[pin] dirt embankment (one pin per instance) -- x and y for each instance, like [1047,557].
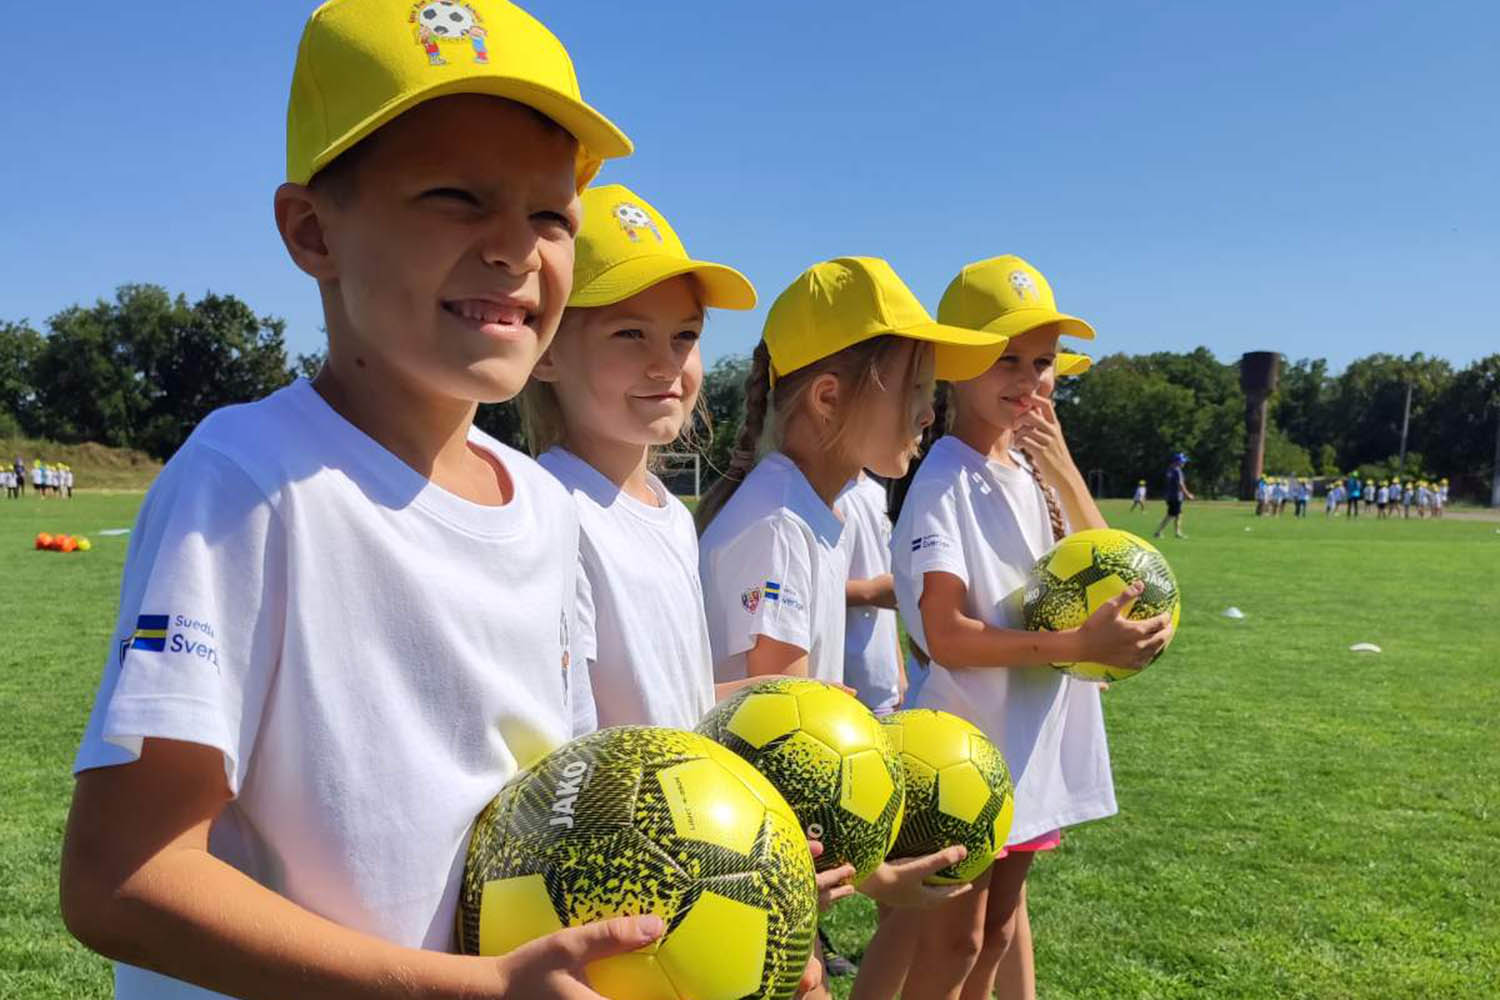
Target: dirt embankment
[95,466]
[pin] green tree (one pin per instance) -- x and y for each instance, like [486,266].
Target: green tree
[1368,401]
[1300,404]
[723,395]
[19,347]
[144,369]
[1458,437]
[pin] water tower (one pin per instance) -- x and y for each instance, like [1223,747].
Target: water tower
[1258,371]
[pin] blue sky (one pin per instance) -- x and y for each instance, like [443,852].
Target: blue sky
[1314,178]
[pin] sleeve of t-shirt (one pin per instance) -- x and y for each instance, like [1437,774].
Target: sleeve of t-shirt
[936,541]
[202,613]
[765,585]
[582,653]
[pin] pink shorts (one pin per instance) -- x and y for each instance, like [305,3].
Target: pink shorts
[1046,842]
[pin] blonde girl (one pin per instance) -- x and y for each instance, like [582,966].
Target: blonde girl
[991,497]
[622,378]
[841,380]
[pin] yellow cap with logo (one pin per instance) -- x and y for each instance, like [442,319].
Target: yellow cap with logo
[1008,296]
[626,246]
[363,62]
[848,300]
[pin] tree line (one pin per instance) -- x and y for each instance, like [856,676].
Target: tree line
[140,370]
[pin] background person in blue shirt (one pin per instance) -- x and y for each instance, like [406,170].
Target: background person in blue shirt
[1353,489]
[1176,491]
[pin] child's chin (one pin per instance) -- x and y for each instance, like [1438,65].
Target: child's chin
[495,383]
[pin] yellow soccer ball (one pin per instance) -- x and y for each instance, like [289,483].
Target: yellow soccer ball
[828,755]
[635,820]
[1086,569]
[958,791]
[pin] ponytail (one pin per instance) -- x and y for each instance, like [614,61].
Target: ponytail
[1054,511]
[746,443]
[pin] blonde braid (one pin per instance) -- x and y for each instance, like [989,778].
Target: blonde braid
[742,456]
[1054,511]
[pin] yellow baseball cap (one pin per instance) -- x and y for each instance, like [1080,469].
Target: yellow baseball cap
[848,300]
[363,62]
[1008,296]
[1069,363]
[626,246]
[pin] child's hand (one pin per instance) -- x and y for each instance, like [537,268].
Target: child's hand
[552,966]
[900,883]
[834,884]
[1109,637]
[1041,436]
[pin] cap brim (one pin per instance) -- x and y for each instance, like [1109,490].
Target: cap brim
[961,353]
[598,137]
[1019,321]
[723,287]
[1068,363]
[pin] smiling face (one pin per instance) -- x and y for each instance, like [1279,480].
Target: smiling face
[1010,386]
[887,433]
[630,372]
[450,255]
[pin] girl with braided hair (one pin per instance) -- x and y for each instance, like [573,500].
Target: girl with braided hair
[841,380]
[991,497]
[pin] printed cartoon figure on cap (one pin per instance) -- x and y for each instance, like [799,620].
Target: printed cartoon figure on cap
[1022,283]
[633,218]
[448,21]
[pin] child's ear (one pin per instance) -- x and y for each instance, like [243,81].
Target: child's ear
[546,368]
[823,397]
[302,230]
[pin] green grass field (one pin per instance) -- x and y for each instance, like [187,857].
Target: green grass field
[1296,820]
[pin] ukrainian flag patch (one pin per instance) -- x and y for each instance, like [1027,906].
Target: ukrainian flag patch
[150,633]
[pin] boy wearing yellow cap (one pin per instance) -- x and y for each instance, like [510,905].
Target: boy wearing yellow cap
[343,623]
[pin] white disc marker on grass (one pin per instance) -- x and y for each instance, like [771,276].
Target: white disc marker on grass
[1364,647]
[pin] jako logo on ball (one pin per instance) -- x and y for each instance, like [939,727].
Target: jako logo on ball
[565,797]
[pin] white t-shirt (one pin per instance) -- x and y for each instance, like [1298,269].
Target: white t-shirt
[872,654]
[640,619]
[373,655]
[773,562]
[38,475]
[987,524]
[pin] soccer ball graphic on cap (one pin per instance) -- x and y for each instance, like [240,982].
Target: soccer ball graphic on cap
[633,219]
[958,791]
[446,18]
[827,754]
[1086,569]
[635,820]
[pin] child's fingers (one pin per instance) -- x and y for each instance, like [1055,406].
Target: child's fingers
[575,947]
[930,864]
[812,974]
[834,877]
[1119,606]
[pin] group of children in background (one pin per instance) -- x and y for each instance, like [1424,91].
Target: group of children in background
[1390,497]
[48,479]
[1272,494]
[391,612]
